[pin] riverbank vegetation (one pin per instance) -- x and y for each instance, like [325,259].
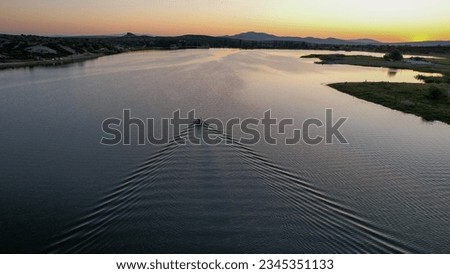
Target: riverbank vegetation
[20,50]
[429,100]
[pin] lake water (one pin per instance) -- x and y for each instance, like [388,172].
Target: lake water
[62,191]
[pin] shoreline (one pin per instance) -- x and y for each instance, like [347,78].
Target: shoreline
[439,65]
[412,98]
[408,98]
[49,62]
[57,61]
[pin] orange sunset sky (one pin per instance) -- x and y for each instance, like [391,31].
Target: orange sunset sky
[384,20]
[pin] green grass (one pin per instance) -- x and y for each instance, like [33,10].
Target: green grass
[406,97]
[411,98]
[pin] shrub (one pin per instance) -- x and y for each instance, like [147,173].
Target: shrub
[430,79]
[436,93]
[394,55]
[407,103]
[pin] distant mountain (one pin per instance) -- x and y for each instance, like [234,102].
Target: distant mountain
[134,35]
[424,44]
[116,35]
[266,37]
[86,36]
[366,41]
[255,36]
[129,35]
[260,36]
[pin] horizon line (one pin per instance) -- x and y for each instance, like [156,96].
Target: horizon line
[59,35]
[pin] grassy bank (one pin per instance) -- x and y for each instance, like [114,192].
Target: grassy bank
[414,98]
[407,97]
[428,65]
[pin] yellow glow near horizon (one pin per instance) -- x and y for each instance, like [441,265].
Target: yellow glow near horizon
[385,20]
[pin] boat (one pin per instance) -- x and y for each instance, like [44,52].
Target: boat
[198,122]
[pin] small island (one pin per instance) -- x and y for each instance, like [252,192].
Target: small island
[429,100]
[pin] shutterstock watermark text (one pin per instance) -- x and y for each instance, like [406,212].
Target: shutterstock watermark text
[189,129]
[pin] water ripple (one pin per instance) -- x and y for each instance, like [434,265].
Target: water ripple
[300,211]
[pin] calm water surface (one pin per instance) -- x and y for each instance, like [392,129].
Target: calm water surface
[61,191]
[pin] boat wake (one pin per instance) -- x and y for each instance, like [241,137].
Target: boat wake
[221,199]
